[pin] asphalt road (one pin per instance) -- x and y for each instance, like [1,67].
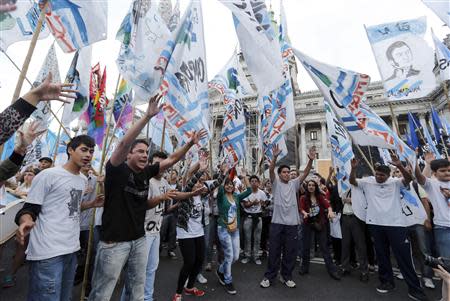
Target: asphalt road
[315,286]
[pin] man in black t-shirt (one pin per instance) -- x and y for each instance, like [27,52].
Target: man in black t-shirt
[122,235]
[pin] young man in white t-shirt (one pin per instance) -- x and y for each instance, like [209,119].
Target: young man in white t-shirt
[51,215]
[252,221]
[387,226]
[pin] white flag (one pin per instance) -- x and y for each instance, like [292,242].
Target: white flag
[186,105]
[19,24]
[147,45]
[42,113]
[77,23]
[79,74]
[443,57]
[441,8]
[258,42]
[404,58]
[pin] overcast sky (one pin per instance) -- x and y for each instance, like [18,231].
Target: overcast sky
[328,30]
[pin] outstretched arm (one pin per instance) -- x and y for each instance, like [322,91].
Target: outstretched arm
[352,178]
[276,151]
[311,156]
[407,177]
[122,149]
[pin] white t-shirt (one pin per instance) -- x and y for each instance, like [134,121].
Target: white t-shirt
[258,195]
[441,207]
[153,217]
[194,226]
[383,201]
[285,208]
[57,227]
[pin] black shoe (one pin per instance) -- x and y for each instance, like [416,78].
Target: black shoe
[335,275]
[220,276]
[230,288]
[384,288]
[364,277]
[417,295]
[344,272]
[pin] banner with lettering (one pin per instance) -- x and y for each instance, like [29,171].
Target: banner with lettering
[79,75]
[77,23]
[186,106]
[20,24]
[259,43]
[443,57]
[50,64]
[404,58]
[122,109]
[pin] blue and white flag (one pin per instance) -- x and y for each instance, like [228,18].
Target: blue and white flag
[20,24]
[147,46]
[258,42]
[345,91]
[341,149]
[50,64]
[441,8]
[232,84]
[77,23]
[442,56]
[404,58]
[8,147]
[430,142]
[186,105]
[156,129]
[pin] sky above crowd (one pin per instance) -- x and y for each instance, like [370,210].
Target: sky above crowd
[328,30]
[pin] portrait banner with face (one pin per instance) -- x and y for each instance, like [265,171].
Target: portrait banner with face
[404,59]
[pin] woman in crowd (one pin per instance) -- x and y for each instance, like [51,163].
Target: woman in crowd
[314,207]
[28,176]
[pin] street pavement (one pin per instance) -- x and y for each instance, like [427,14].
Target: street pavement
[246,277]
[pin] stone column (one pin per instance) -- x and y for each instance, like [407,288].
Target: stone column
[323,131]
[302,144]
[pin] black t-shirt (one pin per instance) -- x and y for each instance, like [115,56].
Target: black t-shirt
[125,202]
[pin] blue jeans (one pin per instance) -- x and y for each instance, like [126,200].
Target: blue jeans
[52,279]
[230,245]
[442,238]
[109,262]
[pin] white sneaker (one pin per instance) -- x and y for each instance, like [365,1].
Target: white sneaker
[245,260]
[400,276]
[289,283]
[201,279]
[265,283]
[258,261]
[428,282]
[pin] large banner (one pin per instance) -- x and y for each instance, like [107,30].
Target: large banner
[77,23]
[341,149]
[147,45]
[258,42]
[345,91]
[20,24]
[122,108]
[441,8]
[42,113]
[443,57]
[186,106]
[79,75]
[404,58]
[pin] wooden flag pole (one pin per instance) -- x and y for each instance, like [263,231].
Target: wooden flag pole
[57,144]
[99,190]
[394,119]
[163,135]
[365,158]
[27,61]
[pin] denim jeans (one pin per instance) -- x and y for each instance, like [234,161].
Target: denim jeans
[109,262]
[230,245]
[421,244]
[52,279]
[442,238]
[252,228]
[206,230]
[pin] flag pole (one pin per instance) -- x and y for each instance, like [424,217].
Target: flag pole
[99,190]
[56,144]
[27,61]
[394,119]
[364,157]
[163,135]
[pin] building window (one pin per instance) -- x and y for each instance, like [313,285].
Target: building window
[402,129]
[313,135]
[308,104]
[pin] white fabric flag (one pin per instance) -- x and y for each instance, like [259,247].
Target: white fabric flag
[79,74]
[344,90]
[165,10]
[443,57]
[186,105]
[19,25]
[77,23]
[404,58]
[441,8]
[258,42]
[42,113]
[147,45]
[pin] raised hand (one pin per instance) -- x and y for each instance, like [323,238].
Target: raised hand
[276,151]
[354,162]
[395,160]
[331,170]
[197,136]
[203,164]
[429,156]
[169,195]
[200,191]
[50,91]
[153,105]
[25,138]
[312,153]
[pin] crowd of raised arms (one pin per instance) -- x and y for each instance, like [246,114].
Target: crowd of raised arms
[144,203]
